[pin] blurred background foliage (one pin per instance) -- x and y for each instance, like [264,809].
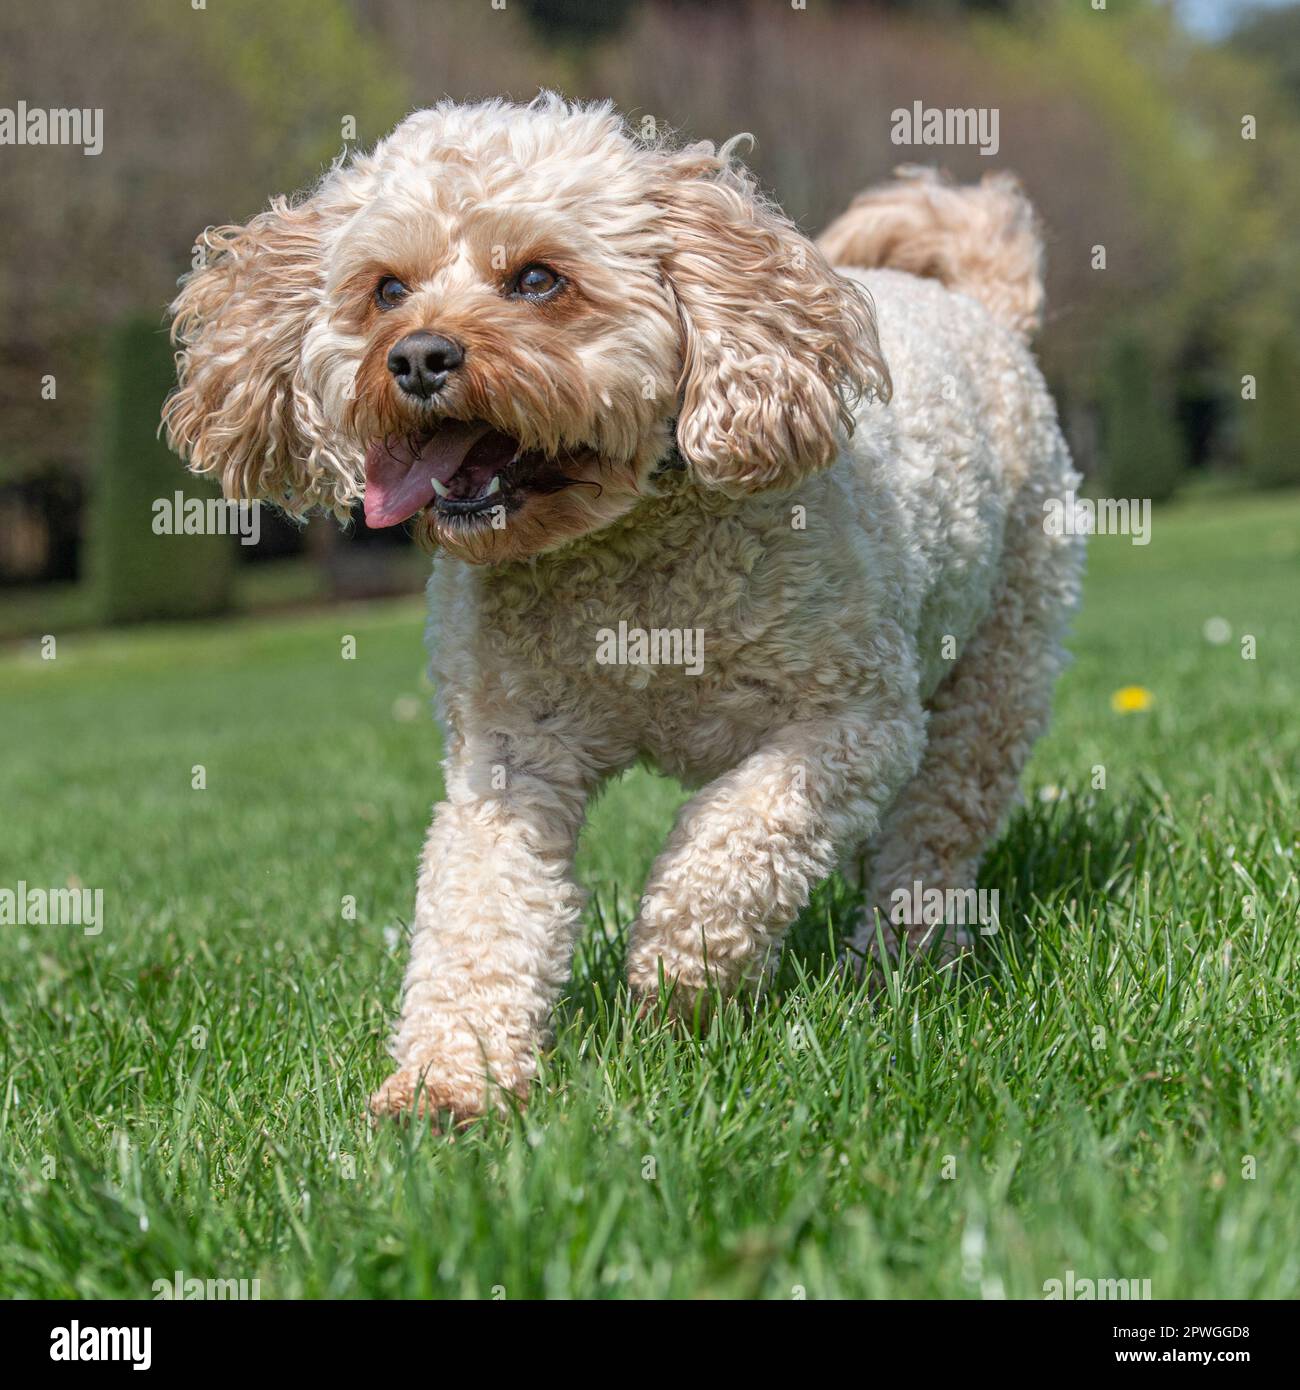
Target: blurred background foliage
[1124,123]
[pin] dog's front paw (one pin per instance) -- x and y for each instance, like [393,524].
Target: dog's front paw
[408,1094]
[422,1093]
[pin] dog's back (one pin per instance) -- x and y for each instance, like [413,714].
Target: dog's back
[965,461]
[962,457]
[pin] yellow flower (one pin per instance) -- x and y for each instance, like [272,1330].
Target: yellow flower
[1129,699]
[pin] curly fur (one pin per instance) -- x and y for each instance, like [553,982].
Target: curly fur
[861,544]
[982,241]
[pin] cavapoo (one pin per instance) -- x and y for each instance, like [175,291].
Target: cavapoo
[618,392]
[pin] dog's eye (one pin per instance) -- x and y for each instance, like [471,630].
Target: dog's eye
[390,291]
[536,281]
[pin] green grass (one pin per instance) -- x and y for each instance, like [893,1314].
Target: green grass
[295,581]
[185,1091]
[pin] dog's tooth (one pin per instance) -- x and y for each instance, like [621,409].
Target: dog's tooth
[440,488]
[494,485]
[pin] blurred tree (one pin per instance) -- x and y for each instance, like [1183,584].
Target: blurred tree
[578,21]
[1270,428]
[941,9]
[139,574]
[1195,206]
[1140,446]
[1271,37]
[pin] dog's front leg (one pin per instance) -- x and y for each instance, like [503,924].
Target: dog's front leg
[746,852]
[495,917]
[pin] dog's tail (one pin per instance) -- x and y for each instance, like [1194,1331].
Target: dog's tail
[979,239]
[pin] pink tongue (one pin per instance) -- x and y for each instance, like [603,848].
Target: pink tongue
[399,479]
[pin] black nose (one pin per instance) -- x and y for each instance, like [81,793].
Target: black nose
[420,362]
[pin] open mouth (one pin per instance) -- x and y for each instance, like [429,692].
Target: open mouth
[460,468]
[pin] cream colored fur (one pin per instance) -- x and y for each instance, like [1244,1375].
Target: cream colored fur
[881,606]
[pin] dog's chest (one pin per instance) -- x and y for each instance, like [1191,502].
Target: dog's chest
[682,647]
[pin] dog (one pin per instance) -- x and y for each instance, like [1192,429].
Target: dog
[616,391]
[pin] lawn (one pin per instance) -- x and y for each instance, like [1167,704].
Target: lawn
[1112,1085]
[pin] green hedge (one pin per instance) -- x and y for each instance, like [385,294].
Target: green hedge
[1270,428]
[1141,449]
[137,573]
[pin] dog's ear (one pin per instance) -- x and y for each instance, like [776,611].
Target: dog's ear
[776,346]
[242,410]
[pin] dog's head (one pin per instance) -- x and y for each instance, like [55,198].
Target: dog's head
[502,320]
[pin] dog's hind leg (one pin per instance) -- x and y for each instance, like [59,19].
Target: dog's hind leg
[984,721]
